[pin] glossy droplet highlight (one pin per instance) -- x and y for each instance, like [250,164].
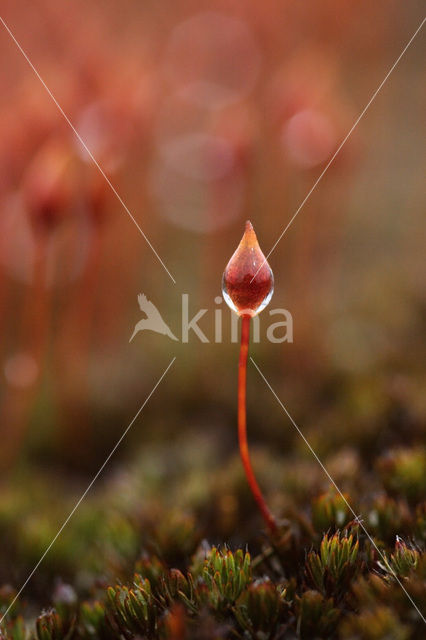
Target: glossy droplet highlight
[248,281]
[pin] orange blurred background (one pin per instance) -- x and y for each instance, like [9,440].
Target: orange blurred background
[203,115]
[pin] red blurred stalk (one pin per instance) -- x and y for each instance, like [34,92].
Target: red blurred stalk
[17,405]
[76,340]
[242,427]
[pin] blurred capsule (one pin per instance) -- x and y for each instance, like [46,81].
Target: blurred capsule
[97,196]
[47,186]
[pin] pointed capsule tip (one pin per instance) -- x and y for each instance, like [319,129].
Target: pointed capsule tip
[249,236]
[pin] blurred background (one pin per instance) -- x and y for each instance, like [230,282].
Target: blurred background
[202,115]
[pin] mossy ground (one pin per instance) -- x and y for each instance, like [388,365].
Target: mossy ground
[172,546]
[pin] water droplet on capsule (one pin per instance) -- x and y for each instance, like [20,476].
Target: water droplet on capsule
[248,281]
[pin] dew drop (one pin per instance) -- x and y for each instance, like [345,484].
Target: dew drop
[248,281]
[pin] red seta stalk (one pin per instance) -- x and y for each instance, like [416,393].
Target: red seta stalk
[248,284]
[242,427]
